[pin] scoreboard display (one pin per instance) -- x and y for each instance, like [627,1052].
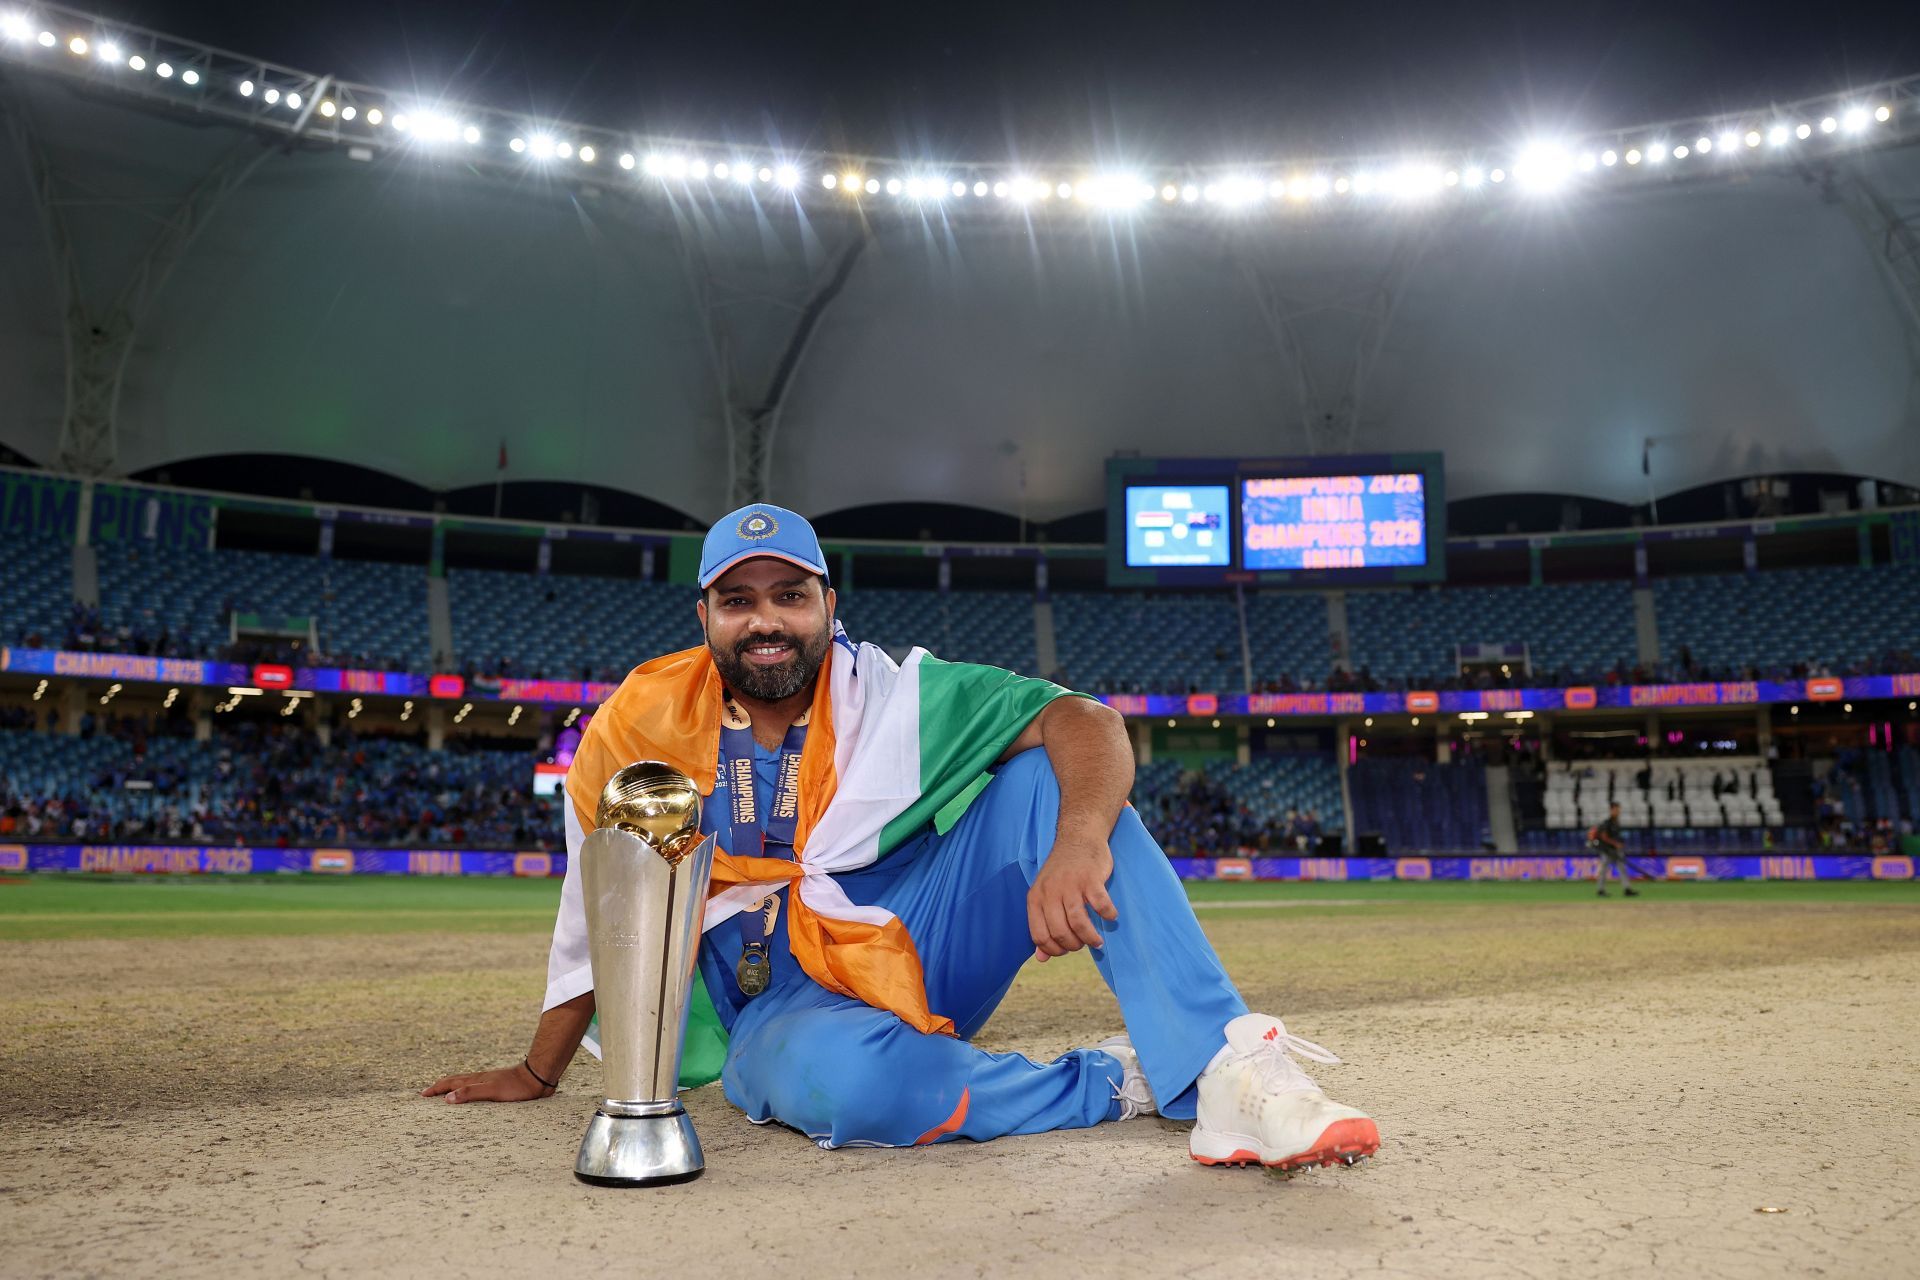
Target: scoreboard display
[1319,521]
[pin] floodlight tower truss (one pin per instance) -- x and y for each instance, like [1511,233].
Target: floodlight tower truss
[1891,229]
[751,414]
[98,337]
[1328,400]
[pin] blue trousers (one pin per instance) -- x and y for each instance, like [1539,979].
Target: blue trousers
[845,1073]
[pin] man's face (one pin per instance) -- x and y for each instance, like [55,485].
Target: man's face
[768,625]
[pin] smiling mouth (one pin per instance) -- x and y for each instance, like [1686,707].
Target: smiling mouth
[767,655]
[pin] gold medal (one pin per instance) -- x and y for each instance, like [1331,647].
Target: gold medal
[755,970]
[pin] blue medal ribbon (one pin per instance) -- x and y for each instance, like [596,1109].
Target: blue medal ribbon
[749,831]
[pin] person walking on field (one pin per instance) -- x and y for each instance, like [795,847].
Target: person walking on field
[1605,841]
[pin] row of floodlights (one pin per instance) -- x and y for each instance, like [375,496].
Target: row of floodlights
[15,27]
[1542,167]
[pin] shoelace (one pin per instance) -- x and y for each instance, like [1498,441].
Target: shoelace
[1274,1065]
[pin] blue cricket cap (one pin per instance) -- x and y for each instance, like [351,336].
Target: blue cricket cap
[759,530]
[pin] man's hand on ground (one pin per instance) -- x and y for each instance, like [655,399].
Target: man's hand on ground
[508,1084]
[1073,880]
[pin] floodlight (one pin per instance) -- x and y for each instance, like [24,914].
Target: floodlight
[1542,167]
[540,144]
[587,154]
[979,189]
[1753,138]
[873,186]
[15,27]
[1189,193]
[1656,152]
[767,175]
[165,72]
[189,77]
[850,183]
[652,165]
[1498,175]
[626,160]
[327,109]
[1803,131]
[1778,135]
[1065,190]
[1169,192]
[272,96]
[1856,119]
[720,170]
[676,166]
[77,46]
[1362,183]
[787,176]
[108,52]
[46,39]
[137,62]
[1633,156]
[1703,144]
[374,116]
[1211,190]
[1681,152]
[1000,190]
[348,113]
[960,188]
[400,122]
[517,145]
[893,186]
[828,181]
[1587,161]
[743,173]
[1828,124]
[1342,185]
[564,150]
[293,99]
[698,168]
[1883,113]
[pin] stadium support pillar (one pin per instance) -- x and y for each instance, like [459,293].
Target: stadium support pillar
[1763,731]
[319,719]
[73,705]
[1243,744]
[1646,627]
[1343,751]
[1652,731]
[1142,743]
[200,705]
[1338,636]
[436,728]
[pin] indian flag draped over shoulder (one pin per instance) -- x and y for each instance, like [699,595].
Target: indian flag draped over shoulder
[889,747]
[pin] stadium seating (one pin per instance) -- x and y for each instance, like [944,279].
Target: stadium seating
[267,786]
[1138,642]
[993,627]
[565,626]
[1287,638]
[1420,806]
[368,613]
[1673,794]
[1876,786]
[1582,628]
[1727,622]
[36,590]
[1182,805]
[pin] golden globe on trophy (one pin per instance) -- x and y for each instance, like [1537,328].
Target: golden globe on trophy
[643,875]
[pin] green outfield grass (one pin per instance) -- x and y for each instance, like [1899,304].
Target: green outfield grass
[50,906]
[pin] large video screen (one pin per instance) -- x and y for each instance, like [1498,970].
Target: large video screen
[1333,522]
[1178,525]
[1316,521]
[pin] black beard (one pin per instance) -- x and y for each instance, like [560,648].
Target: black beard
[771,684]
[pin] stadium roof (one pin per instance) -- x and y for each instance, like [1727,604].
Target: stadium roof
[411,307]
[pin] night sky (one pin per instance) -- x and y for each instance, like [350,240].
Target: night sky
[1150,83]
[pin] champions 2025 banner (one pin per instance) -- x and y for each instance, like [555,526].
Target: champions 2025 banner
[117,859]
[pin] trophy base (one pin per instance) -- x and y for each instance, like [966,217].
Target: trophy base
[640,1151]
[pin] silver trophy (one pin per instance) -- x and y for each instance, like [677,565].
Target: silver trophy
[643,874]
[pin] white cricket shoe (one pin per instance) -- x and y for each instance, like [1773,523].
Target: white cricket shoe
[1258,1107]
[1133,1091]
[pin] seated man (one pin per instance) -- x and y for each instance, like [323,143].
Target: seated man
[898,841]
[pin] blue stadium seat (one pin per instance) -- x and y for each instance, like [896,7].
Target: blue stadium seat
[1124,641]
[566,626]
[1782,617]
[36,591]
[991,627]
[1581,627]
[368,613]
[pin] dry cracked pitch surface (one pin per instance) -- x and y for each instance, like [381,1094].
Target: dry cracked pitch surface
[1560,1093]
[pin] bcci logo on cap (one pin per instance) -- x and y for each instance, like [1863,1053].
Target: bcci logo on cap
[757,525]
